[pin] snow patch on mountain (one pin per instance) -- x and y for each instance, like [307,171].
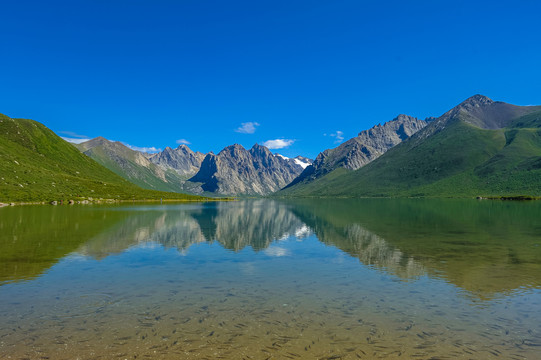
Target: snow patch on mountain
[303,164]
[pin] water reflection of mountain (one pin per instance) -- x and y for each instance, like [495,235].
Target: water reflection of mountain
[235,225]
[484,247]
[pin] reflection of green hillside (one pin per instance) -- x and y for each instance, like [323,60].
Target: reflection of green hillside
[485,247]
[34,238]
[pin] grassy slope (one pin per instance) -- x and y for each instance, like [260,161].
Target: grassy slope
[460,161]
[145,177]
[37,165]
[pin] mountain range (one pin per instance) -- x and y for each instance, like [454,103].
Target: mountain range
[257,171]
[480,148]
[233,171]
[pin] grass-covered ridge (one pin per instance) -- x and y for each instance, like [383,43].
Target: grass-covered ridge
[131,165]
[37,165]
[458,159]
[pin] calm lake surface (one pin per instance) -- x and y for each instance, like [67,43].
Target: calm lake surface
[263,279]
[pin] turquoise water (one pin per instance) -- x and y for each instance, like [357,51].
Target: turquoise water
[262,279]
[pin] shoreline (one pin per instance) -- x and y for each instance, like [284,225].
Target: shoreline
[111,201]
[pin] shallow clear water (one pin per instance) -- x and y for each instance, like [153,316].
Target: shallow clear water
[262,279]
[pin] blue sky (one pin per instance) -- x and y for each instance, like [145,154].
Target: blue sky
[213,73]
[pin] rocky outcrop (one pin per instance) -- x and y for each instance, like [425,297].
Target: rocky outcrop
[182,159]
[235,171]
[364,148]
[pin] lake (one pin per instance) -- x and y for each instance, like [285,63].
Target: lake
[265,279]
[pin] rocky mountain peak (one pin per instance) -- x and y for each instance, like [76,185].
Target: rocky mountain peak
[184,149]
[404,118]
[366,147]
[182,159]
[235,170]
[233,150]
[99,139]
[476,101]
[260,150]
[482,112]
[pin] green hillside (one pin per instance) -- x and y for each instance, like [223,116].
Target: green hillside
[449,158]
[131,165]
[37,165]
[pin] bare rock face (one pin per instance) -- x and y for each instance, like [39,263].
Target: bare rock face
[237,171]
[182,159]
[364,148]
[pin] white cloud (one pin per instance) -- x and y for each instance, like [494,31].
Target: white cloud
[277,251]
[247,127]
[145,149]
[183,142]
[278,143]
[74,141]
[339,136]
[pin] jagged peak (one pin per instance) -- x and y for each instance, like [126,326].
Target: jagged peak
[232,148]
[403,117]
[477,100]
[257,146]
[260,149]
[184,148]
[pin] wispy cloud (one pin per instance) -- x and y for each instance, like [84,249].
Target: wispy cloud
[145,149]
[339,137]
[74,141]
[247,127]
[71,134]
[183,142]
[278,143]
